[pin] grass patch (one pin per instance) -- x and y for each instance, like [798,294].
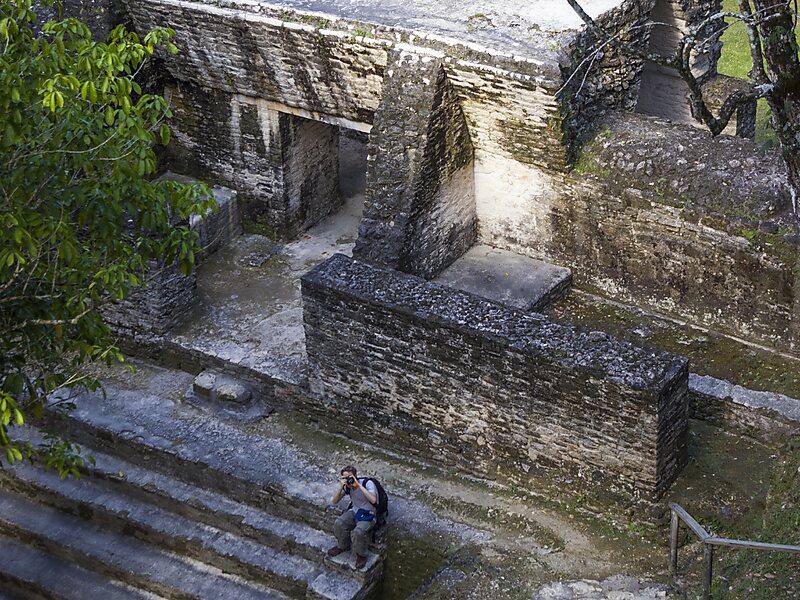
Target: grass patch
[768,575]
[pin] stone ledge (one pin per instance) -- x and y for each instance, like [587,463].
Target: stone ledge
[761,414]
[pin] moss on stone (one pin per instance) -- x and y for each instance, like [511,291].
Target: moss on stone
[253,226]
[296,17]
[772,244]
[766,575]
[588,164]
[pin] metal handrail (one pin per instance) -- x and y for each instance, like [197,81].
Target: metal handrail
[709,542]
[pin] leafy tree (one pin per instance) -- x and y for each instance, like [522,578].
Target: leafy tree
[775,75]
[80,217]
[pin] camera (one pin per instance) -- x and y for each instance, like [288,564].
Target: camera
[350,481]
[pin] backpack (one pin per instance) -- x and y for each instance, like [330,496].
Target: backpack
[382,508]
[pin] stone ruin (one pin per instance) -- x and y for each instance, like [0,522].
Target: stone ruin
[495,181]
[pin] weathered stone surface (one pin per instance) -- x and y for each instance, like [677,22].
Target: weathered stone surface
[426,369]
[204,383]
[508,278]
[285,167]
[419,214]
[216,386]
[617,587]
[232,391]
[165,300]
[670,219]
[764,415]
[238,50]
[116,556]
[30,571]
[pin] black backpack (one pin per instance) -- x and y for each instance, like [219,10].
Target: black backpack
[382,509]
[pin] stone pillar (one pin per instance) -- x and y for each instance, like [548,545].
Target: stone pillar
[419,214]
[285,168]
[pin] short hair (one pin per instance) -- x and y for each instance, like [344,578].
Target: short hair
[349,468]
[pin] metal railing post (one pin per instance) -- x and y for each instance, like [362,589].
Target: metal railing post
[673,543]
[708,556]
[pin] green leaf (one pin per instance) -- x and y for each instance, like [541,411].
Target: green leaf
[164,132]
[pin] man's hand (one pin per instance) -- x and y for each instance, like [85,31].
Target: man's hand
[340,490]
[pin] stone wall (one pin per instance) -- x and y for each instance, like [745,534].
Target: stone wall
[168,295]
[419,214]
[285,167]
[310,156]
[667,218]
[219,227]
[420,368]
[244,52]
[166,299]
[600,77]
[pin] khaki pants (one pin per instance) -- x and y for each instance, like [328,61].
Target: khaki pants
[348,530]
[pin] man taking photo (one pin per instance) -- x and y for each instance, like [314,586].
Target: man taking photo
[353,527]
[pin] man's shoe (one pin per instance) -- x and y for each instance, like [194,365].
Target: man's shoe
[335,551]
[361,562]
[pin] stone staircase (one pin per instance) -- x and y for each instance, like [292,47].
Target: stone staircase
[178,505]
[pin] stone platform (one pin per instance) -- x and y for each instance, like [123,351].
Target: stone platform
[503,276]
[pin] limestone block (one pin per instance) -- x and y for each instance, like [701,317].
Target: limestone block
[203,384]
[213,386]
[232,391]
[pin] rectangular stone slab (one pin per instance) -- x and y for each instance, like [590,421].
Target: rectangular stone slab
[506,277]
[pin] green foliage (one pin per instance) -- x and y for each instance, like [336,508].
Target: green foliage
[81,219]
[748,234]
[736,61]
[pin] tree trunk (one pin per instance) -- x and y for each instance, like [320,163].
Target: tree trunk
[783,70]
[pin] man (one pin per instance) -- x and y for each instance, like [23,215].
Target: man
[353,527]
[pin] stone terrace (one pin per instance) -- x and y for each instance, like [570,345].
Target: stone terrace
[503,25]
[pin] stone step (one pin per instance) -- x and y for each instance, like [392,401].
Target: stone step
[116,512]
[121,557]
[122,495]
[30,574]
[184,443]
